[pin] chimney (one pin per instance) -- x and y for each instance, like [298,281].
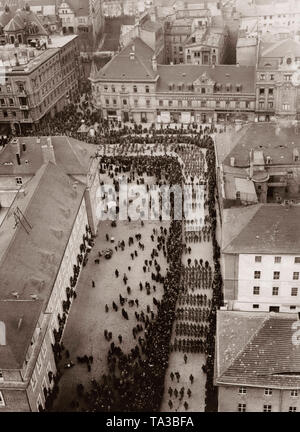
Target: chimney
[15,143]
[251,164]
[154,63]
[24,147]
[48,151]
[132,53]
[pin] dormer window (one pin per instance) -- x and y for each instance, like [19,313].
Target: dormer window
[228,87]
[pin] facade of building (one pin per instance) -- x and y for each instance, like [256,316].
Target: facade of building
[133,87]
[33,298]
[176,35]
[206,47]
[257,362]
[37,81]
[278,80]
[81,17]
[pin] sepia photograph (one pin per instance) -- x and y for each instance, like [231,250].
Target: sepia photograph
[149,209]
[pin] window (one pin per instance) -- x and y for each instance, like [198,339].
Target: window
[293,409]
[136,102]
[287,77]
[11,102]
[261,105]
[277,260]
[114,101]
[276,275]
[294,292]
[271,92]
[255,306]
[258,259]
[105,88]
[297,260]
[1,376]
[267,408]
[241,407]
[271,77]
[147,89]
[148,102]
[275,291]
[203,90]
[257,274]
[295,275]
[294,393]
[107,101]
[161,103]
[189,103]
[247,104]
[268,392]
[134,89]
[5,113]
[270,105]
[261,91]
[292,307]
[262,76]
[124,101]
[113,89]
[19,180]
[286,107]
[203,104]
[242,390]
[256,290]
[170,103]
[179,103]
[2,403]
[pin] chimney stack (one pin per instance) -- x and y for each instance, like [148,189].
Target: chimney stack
[48,151]
[154,63]
[132,53]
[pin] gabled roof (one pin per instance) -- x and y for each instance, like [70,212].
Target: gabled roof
[262,228]
[257,349]
[123,68]
[23,18]
[73,156]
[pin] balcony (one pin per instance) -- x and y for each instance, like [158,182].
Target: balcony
[24,107]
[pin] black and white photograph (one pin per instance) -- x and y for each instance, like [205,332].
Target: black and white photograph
[149,209]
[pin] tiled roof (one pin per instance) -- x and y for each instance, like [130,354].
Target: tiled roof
[278,143]
[49,205]
[265,229]
[71,155]
[264,354]
[123,68]
[222,74]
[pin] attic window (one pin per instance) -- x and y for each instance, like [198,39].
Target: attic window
[268,65]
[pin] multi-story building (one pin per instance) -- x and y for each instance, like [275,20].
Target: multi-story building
[267,15]
[206,46]
[278,80]
[37,81]
[81,17]
[176,34]
[257,362]
[133,87]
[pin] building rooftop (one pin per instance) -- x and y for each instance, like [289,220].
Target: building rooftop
[257,349]
[278,143]
[73,156]
[124,68]
[222,74]
[20,318]
[26,18]
[23,59]
[262,228]
[47,206]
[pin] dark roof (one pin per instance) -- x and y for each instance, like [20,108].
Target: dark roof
[185,73]
[263,228]
[278,143]
[30,259]
[281,49]
[257,350]
[71,155]
[20,318]
[122,68]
